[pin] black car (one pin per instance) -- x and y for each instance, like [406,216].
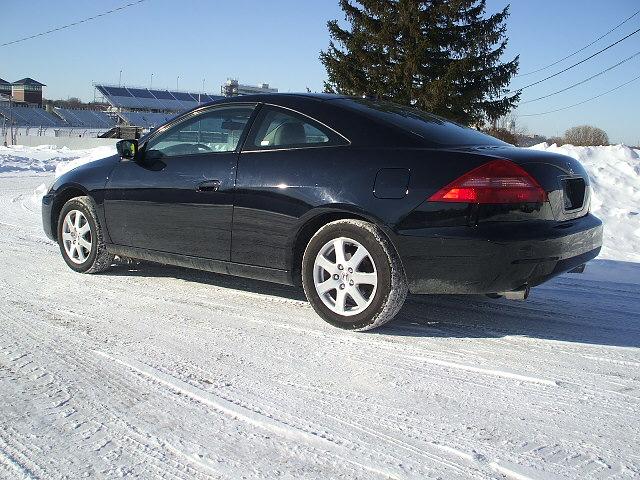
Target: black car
[357,200]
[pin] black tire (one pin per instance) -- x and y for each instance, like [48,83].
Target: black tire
[391,289]
[98,259]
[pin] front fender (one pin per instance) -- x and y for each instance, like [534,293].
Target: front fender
[88,179]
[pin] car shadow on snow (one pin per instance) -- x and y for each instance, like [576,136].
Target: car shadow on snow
[600,307]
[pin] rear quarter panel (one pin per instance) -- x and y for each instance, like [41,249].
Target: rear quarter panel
[279,192]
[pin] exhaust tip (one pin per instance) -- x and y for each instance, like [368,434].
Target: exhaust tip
[519,294]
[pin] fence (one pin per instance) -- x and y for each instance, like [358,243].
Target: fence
[74,138]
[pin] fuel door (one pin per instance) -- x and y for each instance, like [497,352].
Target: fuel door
[391,183]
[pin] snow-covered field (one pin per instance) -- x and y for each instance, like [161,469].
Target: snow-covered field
[147,372]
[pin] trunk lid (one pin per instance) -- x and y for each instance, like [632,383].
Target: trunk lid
[564,179]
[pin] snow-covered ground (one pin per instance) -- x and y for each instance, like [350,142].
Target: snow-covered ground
[150,371]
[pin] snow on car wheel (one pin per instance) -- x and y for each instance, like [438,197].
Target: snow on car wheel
[80,237]
[352,275]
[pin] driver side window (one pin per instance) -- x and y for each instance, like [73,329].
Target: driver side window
[210,132]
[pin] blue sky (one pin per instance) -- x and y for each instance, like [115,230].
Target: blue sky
[278,42]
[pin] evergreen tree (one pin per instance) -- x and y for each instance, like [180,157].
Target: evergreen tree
[442,56]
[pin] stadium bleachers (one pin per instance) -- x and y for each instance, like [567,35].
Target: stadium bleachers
[38,117]
[168,100]
[85,118]
[142,107]
[146,99]
[30,116]
[146,119]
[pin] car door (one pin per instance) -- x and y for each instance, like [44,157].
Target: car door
[177,197]
[285,162]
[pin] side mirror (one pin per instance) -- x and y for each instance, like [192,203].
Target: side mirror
[127,149]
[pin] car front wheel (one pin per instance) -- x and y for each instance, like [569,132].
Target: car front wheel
[352,275]
[80,237]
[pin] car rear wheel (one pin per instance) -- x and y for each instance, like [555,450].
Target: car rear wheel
[353,276]
[80,237]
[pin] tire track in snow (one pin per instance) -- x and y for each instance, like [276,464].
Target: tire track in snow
[327,440]
[405,451]
[240,311]
[124,386]
[391,348]
[112,422]
[485,371]
[378,344]
[480,463]
[15,461]
[505,469]
[404,445]
[252,418]
[374,438]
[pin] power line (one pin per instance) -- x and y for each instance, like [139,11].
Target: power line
[583,81]
[580,62]
[581,49]
[584,101]
[73,24]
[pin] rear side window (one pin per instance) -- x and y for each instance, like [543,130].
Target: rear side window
[277,128]
[435,130]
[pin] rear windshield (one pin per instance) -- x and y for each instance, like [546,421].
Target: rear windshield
[433,129]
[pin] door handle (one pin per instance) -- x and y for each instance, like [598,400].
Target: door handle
[209,186]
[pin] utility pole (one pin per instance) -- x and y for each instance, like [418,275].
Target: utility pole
[11,117]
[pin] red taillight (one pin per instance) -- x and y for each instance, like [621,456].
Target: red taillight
[499,181]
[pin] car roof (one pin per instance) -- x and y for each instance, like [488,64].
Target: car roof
[278,98]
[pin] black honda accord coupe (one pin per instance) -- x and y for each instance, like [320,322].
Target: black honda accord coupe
[359,201]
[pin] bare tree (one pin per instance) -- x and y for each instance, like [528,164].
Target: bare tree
[586,135]
[503,134]
[557,140]
[511,123]
[508,129]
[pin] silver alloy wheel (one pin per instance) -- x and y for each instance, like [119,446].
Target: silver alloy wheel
[76,236]
[345,276]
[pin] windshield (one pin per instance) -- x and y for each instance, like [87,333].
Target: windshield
[435,130]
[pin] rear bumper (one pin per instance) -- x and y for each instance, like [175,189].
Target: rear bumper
[47,205]
[495,257]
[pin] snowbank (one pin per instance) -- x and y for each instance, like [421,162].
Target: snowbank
[614,172]
[615,182]
[47,158]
